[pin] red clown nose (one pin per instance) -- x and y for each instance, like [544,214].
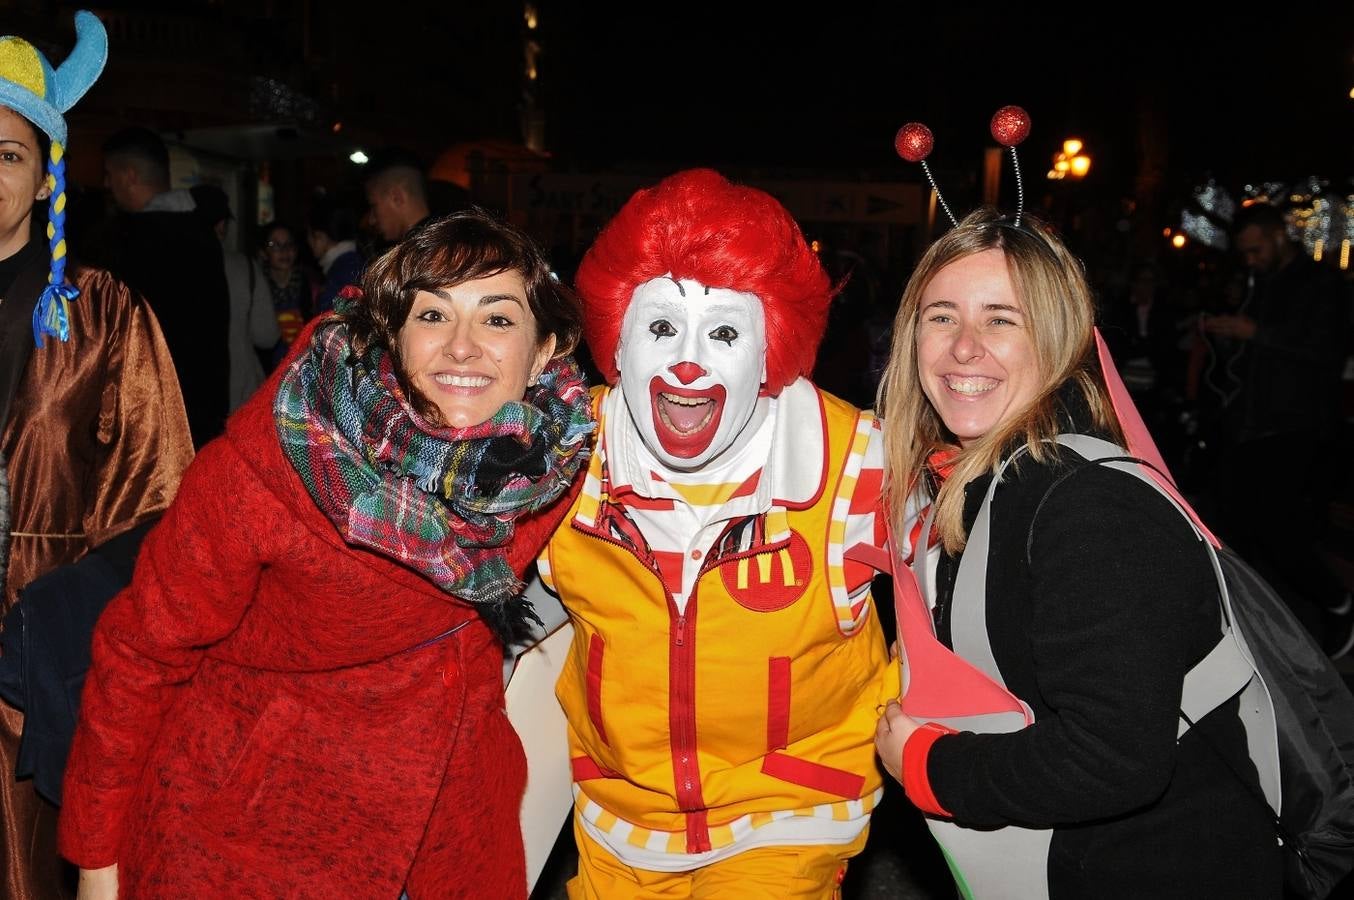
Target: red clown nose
[687,372]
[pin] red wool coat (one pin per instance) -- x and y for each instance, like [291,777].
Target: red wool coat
[260,720]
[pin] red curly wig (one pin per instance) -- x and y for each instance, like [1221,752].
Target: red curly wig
[696,224]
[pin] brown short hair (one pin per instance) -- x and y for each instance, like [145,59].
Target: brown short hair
[448,251]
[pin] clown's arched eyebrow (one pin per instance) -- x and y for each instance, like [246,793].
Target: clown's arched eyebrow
[681,290]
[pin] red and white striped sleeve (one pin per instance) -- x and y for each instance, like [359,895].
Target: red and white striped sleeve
[866,520]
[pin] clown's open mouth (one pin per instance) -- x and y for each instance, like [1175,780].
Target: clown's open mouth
[685,415]
[685,420]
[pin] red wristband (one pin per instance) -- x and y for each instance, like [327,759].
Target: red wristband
[915,754]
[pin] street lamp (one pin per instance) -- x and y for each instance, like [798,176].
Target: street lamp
[1070,162]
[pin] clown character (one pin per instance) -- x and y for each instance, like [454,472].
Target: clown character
[727,665]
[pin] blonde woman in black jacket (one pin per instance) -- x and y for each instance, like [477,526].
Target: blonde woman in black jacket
[1098,600]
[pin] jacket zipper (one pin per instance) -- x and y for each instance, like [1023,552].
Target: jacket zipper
[682,721]
[681,703]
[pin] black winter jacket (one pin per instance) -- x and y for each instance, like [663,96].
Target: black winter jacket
[1099,599]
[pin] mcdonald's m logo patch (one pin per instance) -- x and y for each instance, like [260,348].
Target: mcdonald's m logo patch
[772,580]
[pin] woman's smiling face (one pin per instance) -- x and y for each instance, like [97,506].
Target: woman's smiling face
[975,353]
[471,347]
[22,179]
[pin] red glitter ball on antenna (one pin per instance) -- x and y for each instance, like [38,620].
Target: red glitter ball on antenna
[914,142]
[1010,126]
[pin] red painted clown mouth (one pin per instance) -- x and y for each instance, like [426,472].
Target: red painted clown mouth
[685,420]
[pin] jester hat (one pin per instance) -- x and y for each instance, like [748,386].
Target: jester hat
[33,89]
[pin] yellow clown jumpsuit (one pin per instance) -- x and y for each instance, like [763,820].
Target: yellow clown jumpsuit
[691,732]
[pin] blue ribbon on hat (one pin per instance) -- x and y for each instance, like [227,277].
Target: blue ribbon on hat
[52,315]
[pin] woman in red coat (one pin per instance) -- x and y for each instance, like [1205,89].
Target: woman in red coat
[301,692]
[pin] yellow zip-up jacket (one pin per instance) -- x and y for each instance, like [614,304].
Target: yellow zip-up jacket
[690,731]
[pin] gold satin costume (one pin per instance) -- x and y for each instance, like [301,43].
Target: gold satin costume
[96,443]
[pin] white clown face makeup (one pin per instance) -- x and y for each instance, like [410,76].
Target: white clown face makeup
[692,360]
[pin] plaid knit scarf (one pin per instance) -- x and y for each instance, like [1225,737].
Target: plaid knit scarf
[440,500]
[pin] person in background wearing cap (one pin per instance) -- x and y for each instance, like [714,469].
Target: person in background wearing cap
[253,326]
[727,664]
[92,424]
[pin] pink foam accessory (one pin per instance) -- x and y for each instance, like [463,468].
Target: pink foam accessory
[1139,439]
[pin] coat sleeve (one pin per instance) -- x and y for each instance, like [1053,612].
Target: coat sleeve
[1122,593]
[195,578]
[142,435]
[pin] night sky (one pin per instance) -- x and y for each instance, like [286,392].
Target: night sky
[1237,97]
[763,91]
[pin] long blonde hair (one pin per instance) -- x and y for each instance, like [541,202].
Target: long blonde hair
[1059,314]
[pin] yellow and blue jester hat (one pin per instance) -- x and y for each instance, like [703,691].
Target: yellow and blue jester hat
[30,87]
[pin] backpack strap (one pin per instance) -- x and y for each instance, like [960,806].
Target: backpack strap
[1226,670]
[921,563]
[1229,668]
[968,606]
